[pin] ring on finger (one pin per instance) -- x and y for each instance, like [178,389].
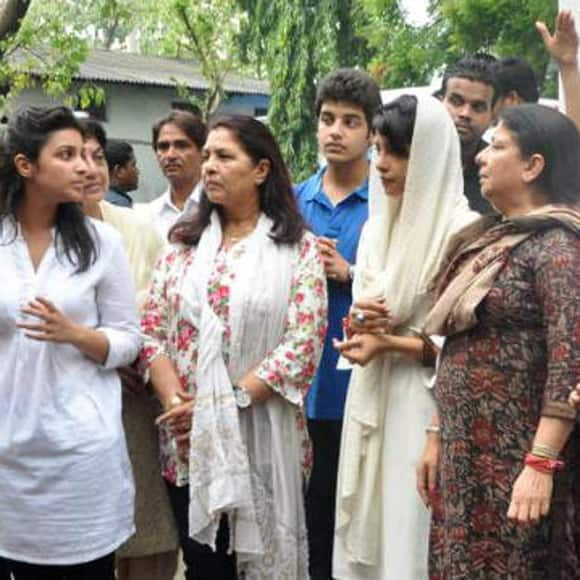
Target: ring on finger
[360,317]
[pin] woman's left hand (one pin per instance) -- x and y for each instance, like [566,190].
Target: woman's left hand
[361,348]
[531,496]
[54,325]
[178,419]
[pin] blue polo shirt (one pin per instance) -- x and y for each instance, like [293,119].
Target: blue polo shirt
[343,222]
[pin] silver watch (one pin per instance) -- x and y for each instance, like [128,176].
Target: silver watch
[351,272]
[242,397]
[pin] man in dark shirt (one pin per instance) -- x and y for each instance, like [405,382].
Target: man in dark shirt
[469,91]
[123,171]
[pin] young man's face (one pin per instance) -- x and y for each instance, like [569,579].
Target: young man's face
[470,105]
[343,132]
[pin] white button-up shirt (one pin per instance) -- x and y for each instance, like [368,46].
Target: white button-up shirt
[66,489]
[165,213]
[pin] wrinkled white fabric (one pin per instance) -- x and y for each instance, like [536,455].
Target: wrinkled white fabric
[66,489]
[245,463]
[388,404]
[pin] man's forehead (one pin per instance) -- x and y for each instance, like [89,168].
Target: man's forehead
[342,108]
[171,132]
[470,90]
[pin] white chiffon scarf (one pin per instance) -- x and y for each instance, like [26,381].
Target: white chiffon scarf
[400,250]
[244,463]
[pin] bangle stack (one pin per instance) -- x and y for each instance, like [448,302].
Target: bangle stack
[544,458]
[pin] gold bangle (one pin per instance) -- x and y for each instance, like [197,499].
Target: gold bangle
[435,429]
[173,402]
[544,451]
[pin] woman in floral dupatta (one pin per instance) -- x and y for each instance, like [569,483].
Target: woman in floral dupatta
[234,326]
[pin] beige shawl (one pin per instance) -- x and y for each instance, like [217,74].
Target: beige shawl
[476,256]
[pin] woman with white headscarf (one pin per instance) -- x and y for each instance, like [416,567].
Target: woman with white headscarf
[382,526]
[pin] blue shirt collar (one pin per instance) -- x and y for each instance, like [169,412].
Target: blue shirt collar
[362,192]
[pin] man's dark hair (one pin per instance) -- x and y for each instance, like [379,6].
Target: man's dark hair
[516,74]
[190,124]
[352,86]
[481,68]
[118,153]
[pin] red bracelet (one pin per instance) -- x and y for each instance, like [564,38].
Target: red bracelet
[542,464]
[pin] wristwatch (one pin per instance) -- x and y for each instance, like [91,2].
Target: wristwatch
[242,397]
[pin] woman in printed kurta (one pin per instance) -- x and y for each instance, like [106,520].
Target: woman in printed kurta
[509,305]
[234,326]
[288,369]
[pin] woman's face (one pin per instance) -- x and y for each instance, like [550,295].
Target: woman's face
[58,175]
[392,168]
[97,176]
[230,176]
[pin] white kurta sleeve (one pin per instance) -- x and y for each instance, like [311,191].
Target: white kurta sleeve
[117,308]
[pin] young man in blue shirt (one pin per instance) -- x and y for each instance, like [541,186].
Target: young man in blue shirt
[334,202]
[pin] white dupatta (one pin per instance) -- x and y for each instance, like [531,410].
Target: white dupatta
[400,250]
[244,464]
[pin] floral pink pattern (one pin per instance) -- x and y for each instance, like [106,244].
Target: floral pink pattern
[288,369]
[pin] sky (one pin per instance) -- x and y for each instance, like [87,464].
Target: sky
[417,10]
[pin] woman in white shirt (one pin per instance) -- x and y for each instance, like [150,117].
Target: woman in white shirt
[68,319]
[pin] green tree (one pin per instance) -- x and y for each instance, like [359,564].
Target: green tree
[204,30]
[37,44]
[296,42]
[406,55]
[403,54]
[501,27]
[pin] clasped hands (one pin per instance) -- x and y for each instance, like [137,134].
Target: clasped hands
[367,331]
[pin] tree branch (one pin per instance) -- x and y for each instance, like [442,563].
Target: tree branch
[12,14]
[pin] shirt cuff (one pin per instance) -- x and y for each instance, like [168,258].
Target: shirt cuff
[275,382]
[123,347]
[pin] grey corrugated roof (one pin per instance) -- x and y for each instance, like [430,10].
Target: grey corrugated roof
[128,68]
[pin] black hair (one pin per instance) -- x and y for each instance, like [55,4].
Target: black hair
[192,125]
[28,131]
[118,154]
[547,132]
[395,121]
[93,129]
[352,86]
[515,74]
[276,195]
[481,68]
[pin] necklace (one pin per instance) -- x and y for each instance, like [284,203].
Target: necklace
[233,237]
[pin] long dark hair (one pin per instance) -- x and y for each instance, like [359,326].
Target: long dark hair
[276,196]
[28,131]
[549,133]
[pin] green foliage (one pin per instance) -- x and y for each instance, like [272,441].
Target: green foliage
[46,48]
[502,27]
[204,30]
[297,42]
[406,55]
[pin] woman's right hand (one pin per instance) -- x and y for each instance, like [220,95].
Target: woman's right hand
[427,470]
[376,318]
